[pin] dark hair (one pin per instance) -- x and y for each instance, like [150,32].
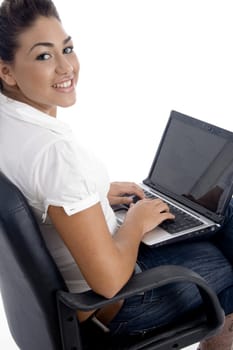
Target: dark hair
[17,16]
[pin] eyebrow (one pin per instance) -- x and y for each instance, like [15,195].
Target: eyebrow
[48,44]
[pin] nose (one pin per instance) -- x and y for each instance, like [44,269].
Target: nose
[64,66]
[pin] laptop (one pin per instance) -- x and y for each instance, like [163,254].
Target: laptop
[193,172]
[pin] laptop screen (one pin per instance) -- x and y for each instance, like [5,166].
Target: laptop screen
[194,164]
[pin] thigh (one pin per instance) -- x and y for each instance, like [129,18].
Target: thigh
[163,305]
[204,257]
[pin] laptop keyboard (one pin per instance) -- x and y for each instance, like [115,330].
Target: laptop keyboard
[183,221]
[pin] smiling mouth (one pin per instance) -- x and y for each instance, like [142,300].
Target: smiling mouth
[64,85]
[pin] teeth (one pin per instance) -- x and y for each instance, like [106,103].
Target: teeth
[64,85]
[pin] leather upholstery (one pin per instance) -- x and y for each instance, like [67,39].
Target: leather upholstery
[24,262]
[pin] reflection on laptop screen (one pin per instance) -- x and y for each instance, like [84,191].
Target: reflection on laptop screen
[199,167]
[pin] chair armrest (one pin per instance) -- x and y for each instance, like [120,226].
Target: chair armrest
[147,280]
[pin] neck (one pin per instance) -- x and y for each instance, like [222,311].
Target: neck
[15,94]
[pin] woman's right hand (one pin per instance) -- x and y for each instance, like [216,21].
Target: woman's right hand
[148,213]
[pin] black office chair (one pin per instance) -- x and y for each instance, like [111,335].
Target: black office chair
[40,311]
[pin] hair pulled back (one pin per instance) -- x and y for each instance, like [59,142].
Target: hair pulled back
[16,16]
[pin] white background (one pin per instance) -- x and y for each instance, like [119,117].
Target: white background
[139,60]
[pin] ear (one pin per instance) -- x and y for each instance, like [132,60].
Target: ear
[6,74]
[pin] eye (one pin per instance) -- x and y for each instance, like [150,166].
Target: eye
[67,50]
[43,57]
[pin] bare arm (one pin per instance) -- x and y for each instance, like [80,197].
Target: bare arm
[106,261]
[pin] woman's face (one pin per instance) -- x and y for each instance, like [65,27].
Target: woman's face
[45,70]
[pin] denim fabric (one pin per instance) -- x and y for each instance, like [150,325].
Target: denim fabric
[212,258]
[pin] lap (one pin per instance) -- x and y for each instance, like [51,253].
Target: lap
[214,252]
[204,257]
[211,258]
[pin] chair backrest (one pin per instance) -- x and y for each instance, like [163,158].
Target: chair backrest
[28,281]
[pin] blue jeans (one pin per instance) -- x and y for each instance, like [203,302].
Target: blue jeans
[212,258]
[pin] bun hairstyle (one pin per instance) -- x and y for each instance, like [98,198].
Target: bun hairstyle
[16,16]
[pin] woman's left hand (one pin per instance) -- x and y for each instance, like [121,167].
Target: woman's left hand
[122,192]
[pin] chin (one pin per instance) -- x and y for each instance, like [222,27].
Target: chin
[68,103]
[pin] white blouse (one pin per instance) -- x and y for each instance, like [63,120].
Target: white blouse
[41,156]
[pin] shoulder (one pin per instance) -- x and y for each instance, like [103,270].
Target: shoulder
[63,151]
[65,161]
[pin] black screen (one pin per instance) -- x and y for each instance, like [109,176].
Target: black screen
[194,161]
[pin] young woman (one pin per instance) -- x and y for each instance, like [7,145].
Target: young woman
[69,191]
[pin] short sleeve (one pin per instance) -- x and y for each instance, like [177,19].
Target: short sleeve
[63,176]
